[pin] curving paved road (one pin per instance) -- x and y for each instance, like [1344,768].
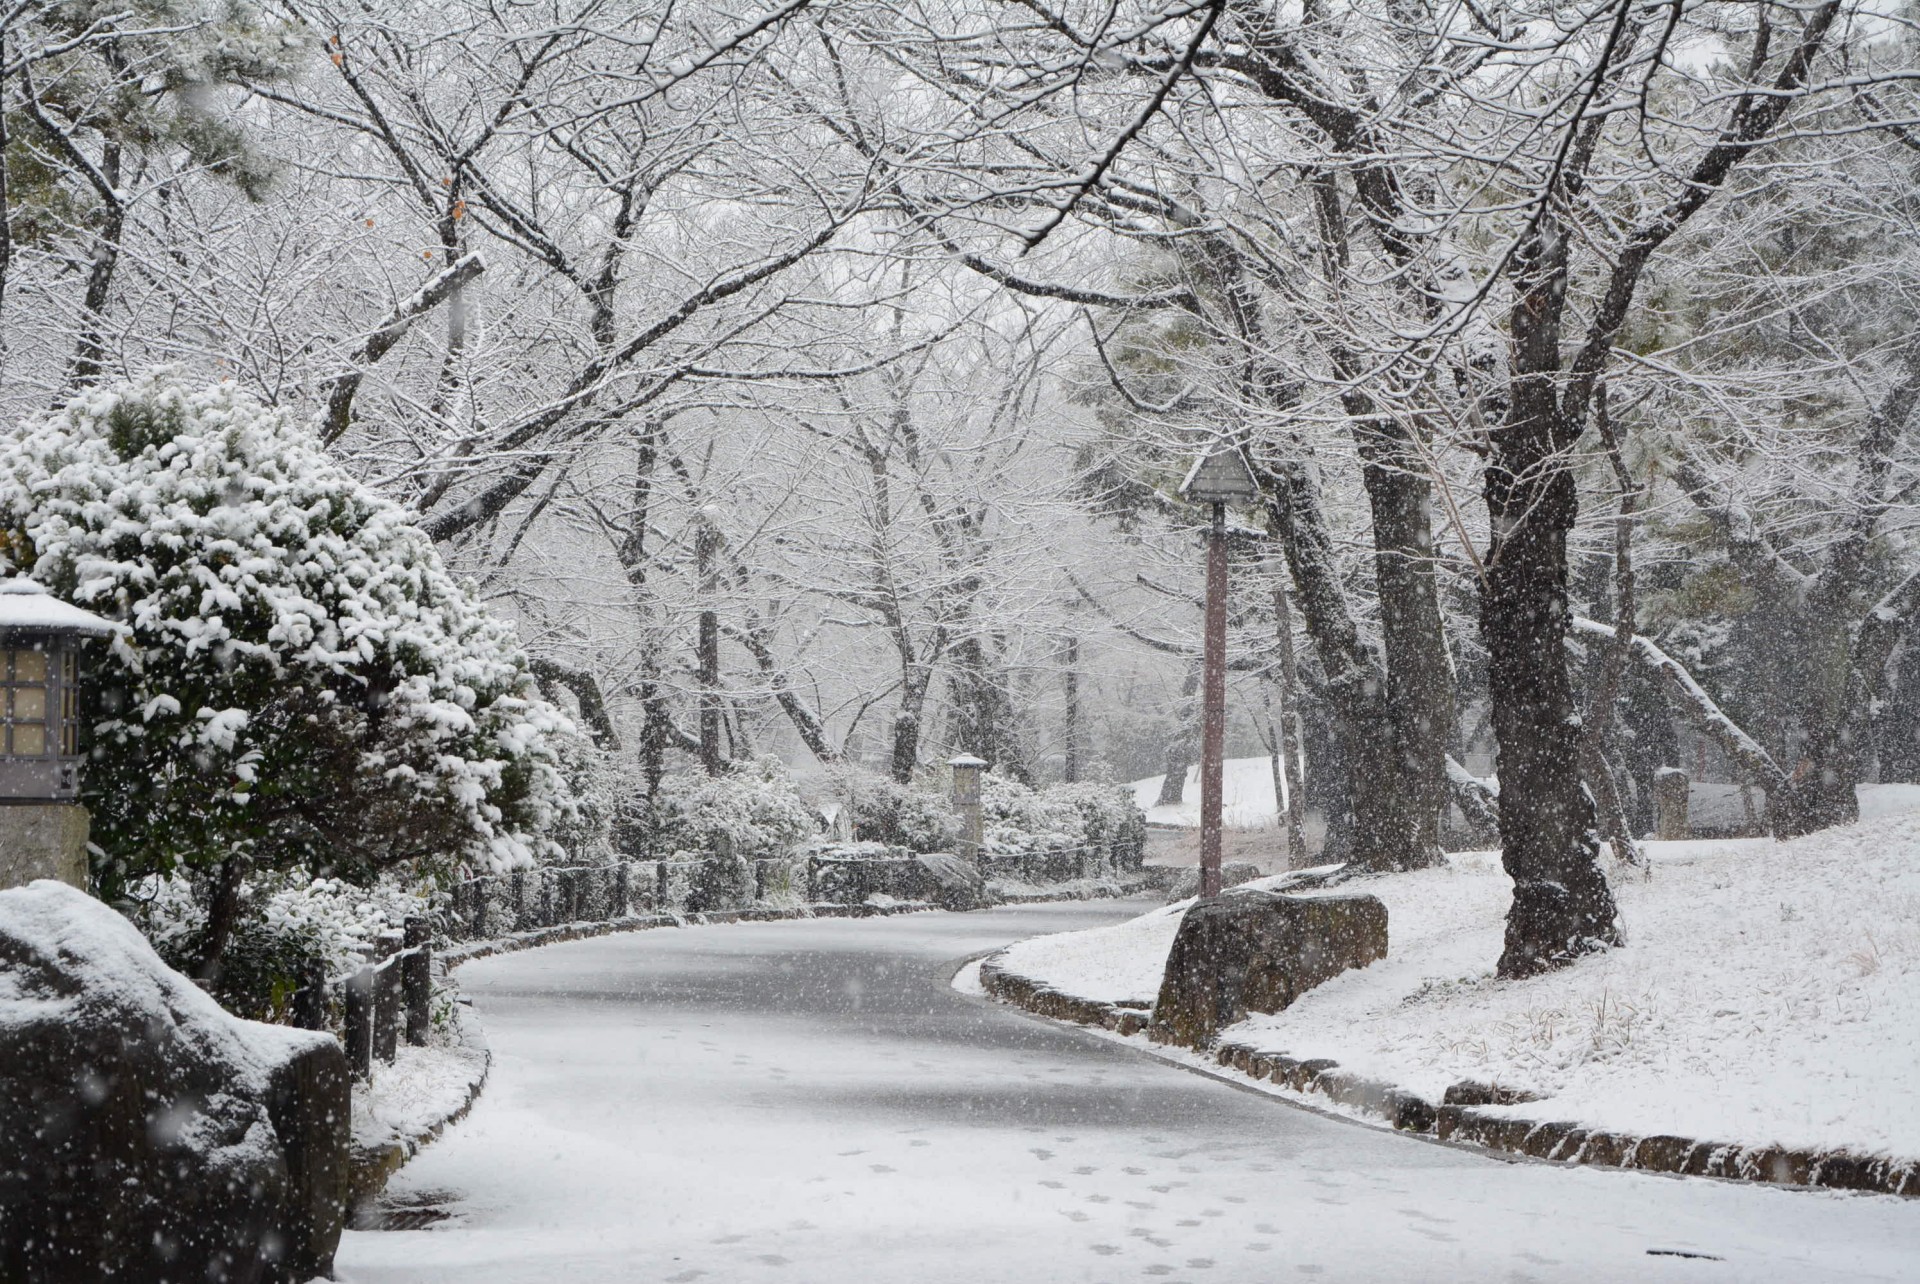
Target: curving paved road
[806,1102]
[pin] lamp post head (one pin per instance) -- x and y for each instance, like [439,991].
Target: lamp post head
[40,639]
[1220,476]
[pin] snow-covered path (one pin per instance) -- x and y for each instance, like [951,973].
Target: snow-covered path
[811,1101]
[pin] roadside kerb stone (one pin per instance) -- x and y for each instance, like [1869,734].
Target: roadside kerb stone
[371,1166]
[1477,1114]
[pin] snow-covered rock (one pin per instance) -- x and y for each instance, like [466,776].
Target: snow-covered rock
[145,1134]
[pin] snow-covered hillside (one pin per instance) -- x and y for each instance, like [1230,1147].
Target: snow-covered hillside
[1247,796]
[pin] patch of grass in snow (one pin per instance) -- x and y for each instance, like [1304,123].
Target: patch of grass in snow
[1434,989]
[1552,1039]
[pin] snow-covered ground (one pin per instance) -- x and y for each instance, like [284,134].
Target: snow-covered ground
[1248,800]
[1768,992]
[406,1102]
[1246,796]
[809,1102]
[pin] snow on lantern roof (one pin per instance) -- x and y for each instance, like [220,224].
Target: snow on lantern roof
[966,760]
[26,607]
[1220,476]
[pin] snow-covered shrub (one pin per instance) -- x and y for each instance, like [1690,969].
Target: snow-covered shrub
[298,681]
[754,803]
[283,919]
[1109,818]
[882,810]
[1015,818]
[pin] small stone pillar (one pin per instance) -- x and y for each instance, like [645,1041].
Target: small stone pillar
[43,840]
[1670,789]
[966,802]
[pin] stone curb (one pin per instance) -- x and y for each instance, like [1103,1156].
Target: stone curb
[370,1167]
[1463,1115]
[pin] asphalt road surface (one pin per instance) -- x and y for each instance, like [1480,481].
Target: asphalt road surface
[812,1101]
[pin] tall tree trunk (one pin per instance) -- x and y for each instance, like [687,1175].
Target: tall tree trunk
[1181,749]
[706,544]
[906,723]
[223,913]
[1070,764]
[1420,684]
[1287,742]
[1393,826]
[90,352]
[1899,730]
[1562,906]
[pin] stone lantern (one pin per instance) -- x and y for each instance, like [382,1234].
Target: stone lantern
[966,801]
[43,829]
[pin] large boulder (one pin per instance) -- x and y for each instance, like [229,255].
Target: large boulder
[1253,951]
[953,882]
[147,1134]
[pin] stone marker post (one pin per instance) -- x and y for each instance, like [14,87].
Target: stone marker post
[1670,789]
[966,801]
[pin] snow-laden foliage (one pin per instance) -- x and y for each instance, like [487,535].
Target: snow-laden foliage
[297,681]
[885,811]
[283,919]
[755,805]
[1016,818]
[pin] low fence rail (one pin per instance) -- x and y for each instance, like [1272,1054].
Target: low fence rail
[387,998]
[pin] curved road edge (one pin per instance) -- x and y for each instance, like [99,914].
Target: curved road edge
[1462,1118]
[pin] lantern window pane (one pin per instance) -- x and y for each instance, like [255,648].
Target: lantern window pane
[30,738]
[30,666]
[30,704]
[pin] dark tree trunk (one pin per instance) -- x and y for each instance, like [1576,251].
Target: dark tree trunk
[90,352]
[1420,685]
[223,912]
[1899,730]
[1394,814]
[984,722]
[1562,906]
[1181,749]
[906,723]
[1070,759]
[707,650]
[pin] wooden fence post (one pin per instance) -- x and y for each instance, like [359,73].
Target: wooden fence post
[621,892]
[359,1014]
[309,1006]
[417,980]
[386,999]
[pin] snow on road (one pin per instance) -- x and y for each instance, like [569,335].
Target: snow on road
[812,1102]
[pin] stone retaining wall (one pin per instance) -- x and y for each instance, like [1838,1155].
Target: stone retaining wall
[1480,1115]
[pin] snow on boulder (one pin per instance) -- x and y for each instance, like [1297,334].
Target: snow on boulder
[145,1133]
[1254,951]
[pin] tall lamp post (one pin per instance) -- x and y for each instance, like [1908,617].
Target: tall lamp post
[1218,477]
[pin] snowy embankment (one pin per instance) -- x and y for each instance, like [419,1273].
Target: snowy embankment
[1768,993]
[411,1101]
[1247,798]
